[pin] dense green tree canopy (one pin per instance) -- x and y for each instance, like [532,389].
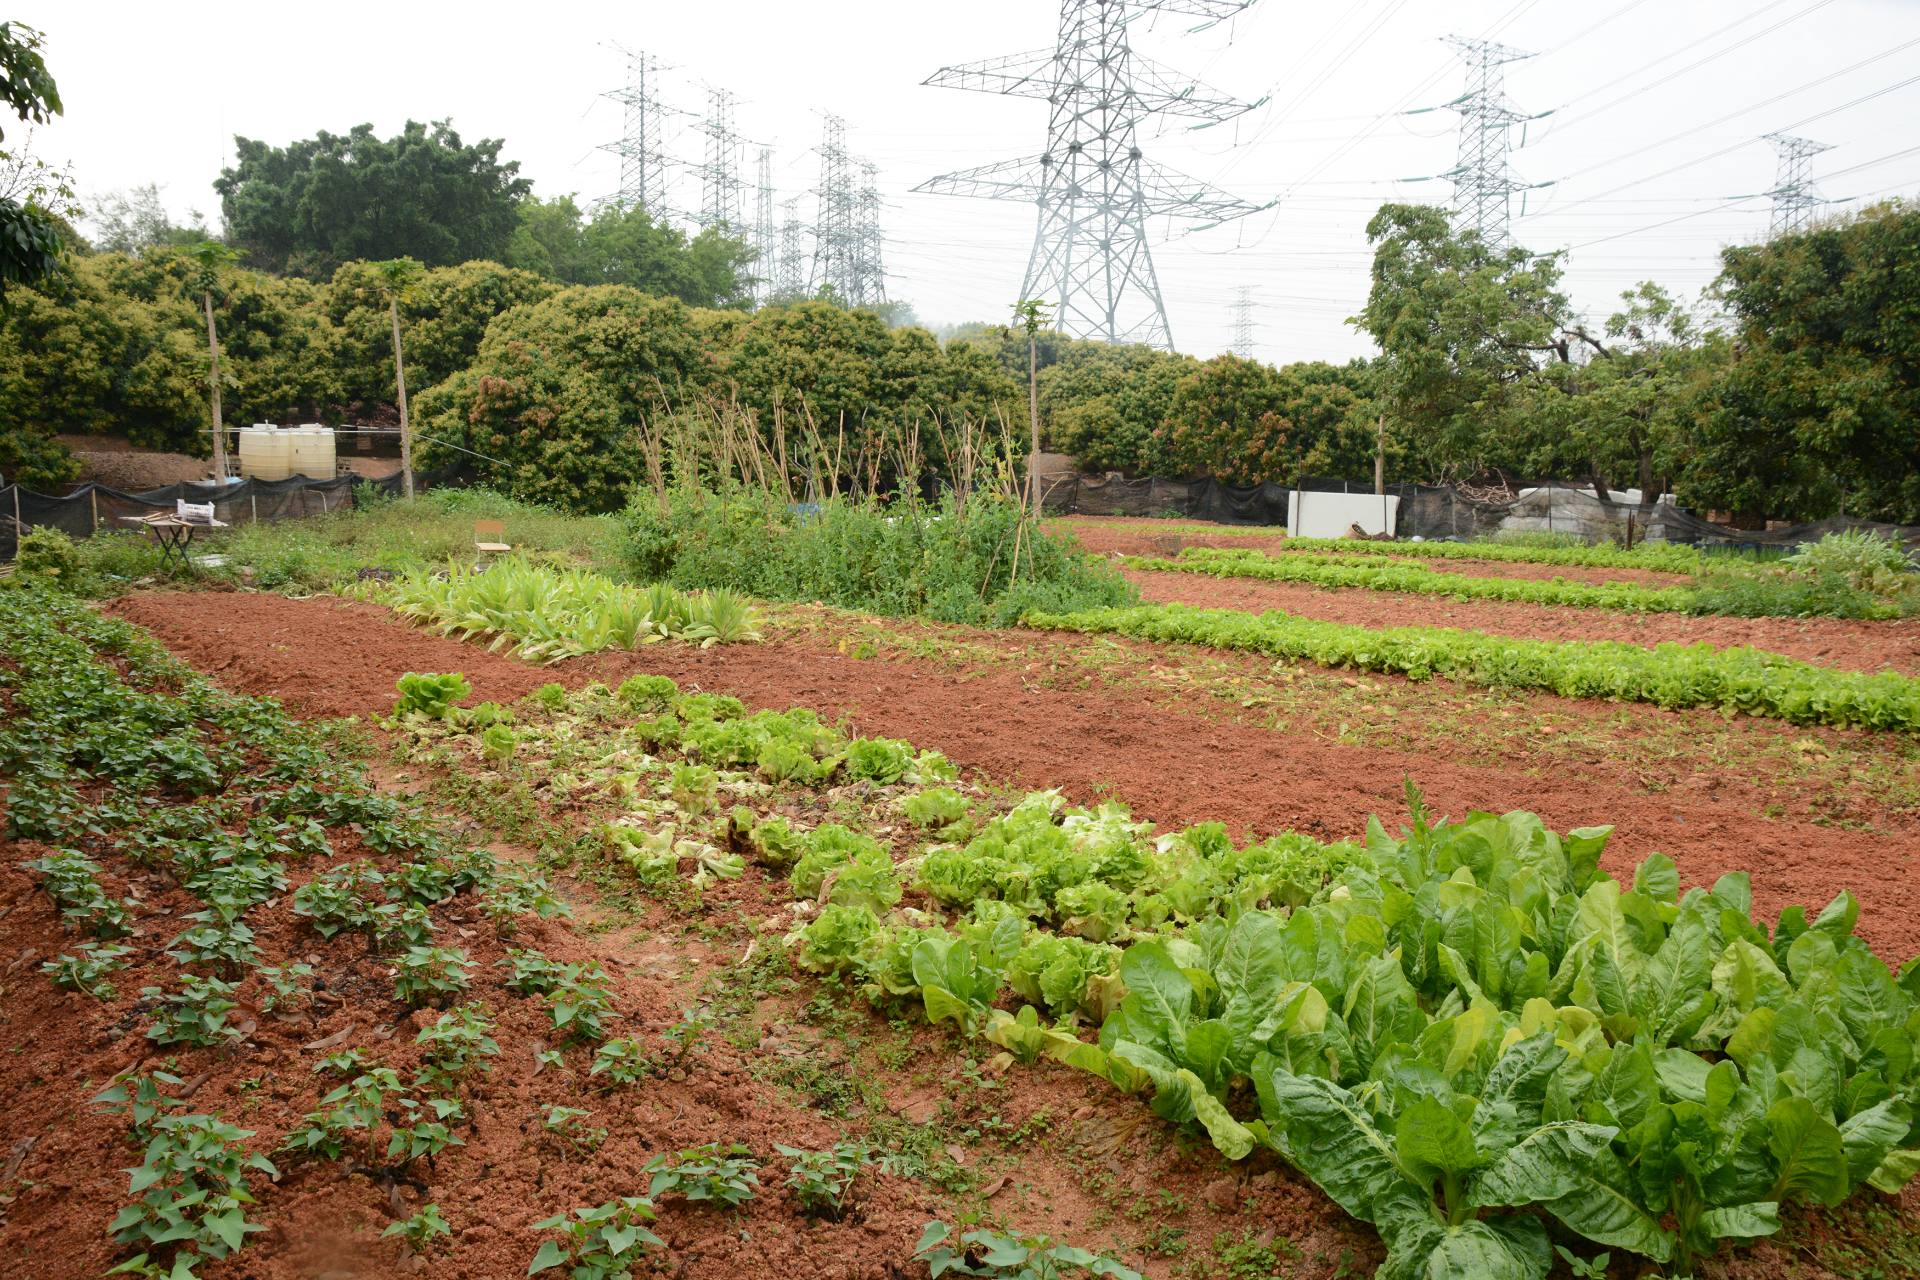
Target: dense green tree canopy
[316,203]
[625,246]
[554,405]
[1818,408]
[445,312]
[32,236]
[1459,324]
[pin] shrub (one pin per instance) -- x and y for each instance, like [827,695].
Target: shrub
[905,560]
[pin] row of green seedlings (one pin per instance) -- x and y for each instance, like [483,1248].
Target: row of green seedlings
[544,614]
[1738,592]
[686,775]
[223,793]
[1094,875]
[1733,680]
[1415,578]
[1659,557]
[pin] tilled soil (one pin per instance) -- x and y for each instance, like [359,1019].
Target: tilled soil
[1089,1153]
[1168,763]
[1828,642]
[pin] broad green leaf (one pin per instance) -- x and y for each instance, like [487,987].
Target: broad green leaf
[551,1255]
[1807,1151]
[1896,1171]
[1433,1142]
[1159,997]
[1572,1170]
[1741,1221]
[1507,1248]
[1869,1137]
[1657,877]
[1332,1139]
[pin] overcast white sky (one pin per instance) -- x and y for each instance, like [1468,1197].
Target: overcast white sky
[1657,110]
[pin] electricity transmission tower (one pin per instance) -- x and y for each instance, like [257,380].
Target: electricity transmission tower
[643,163]
[720,176]
[869,243]
[763,232]
[790,280]
[1243,322]
[1093,185]
[1483,185]
[1794,195]
[845,252]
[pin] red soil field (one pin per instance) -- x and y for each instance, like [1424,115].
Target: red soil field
[1168,763]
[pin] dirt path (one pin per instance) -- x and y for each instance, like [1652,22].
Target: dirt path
[1170,764]
[1829,642]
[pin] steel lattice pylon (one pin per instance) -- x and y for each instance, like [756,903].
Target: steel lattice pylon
[789,277]
[1243,322]
[1794,196]
[763,231]
[1483,185]
[720,176]
[643,163]
[1094,187]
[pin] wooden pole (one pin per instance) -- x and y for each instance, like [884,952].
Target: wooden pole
[400,380]
[93,505]
[213,386]
[1033,418]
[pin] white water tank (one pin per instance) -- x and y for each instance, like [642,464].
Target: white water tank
[266,452]
[312,451]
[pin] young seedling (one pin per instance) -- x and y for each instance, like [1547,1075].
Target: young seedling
[602,1243]
[821,1179]
[720,1172]
[420,1230]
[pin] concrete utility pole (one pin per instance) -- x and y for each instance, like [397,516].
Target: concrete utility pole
[1093,185]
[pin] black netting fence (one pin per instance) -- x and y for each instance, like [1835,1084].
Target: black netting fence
[1442,511]
[93,508]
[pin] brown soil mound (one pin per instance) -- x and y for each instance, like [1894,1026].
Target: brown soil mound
[1830,642]
[1169,764]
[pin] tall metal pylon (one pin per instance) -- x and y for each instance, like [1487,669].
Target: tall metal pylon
[790,276]
[1243,322]
[1483,184]
[720,176]
[836,227]
[763,231]
[870,243]
[1794,195]
[1093,185]
[643,162]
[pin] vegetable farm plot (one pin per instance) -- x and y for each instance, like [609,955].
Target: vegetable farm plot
[884,948]
[1833,642]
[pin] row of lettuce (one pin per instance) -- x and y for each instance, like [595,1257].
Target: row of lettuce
[1865,577]
[1467,1034]
[1673,676]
